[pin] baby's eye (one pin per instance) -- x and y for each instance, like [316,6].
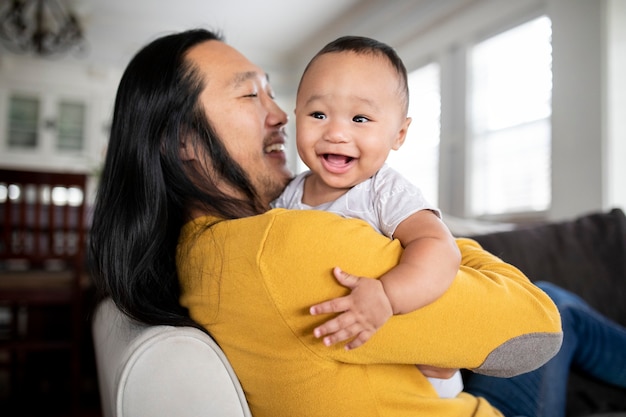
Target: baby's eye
[252,95]
[360,119]
[318,115]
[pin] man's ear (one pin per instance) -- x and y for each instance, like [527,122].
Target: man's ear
[401,136]
[187,150]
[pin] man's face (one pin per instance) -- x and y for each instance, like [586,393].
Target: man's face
[239,104]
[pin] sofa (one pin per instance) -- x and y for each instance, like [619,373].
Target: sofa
[587,256]
[163,371]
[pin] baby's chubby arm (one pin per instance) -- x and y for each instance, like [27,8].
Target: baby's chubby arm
[427,267]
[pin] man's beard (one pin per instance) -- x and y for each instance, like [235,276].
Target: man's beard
[270,188]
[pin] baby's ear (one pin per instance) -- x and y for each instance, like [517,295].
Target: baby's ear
[404,127]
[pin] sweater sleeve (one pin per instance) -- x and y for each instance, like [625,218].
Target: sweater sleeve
[492,319]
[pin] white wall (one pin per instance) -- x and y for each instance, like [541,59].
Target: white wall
[578,139]
[615,157]
[589,127]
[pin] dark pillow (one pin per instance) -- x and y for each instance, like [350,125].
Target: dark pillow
[586,256]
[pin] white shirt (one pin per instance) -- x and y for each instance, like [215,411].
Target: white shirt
[384,200]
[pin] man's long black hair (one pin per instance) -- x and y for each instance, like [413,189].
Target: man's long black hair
[145,189]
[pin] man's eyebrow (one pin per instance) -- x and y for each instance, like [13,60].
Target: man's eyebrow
[241,77]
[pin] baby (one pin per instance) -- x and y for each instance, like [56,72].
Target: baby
[351,111]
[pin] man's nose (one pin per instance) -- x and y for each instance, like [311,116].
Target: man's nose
[276,116]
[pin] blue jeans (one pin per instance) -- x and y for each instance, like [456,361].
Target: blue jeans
[591,343]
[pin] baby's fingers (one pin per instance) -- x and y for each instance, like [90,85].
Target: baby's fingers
[341,335]
[336,305]
[360,339]
[337,327]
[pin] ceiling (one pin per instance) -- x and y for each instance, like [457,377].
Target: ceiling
[265,31]
[278,35]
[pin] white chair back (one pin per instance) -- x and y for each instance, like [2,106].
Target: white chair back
[160,371]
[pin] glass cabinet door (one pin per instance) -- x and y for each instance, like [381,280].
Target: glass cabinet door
[61,128]
[23,132]
[70,127]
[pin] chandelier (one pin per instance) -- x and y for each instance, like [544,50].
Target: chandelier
[40,27]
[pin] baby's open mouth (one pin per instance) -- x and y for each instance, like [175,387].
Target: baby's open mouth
[335,159]
[337,164]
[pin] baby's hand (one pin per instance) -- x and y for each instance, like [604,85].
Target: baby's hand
[363,311]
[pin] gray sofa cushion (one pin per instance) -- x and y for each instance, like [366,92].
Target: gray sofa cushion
[587,256]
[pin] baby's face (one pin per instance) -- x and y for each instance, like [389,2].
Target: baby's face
[349,115]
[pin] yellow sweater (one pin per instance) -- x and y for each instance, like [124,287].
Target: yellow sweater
[251,281]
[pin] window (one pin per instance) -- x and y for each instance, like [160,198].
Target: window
[23,122]
[418,158]
[510,109]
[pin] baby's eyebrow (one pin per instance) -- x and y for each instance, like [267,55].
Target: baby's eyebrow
[366,101]
[363,100]
[314,97]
